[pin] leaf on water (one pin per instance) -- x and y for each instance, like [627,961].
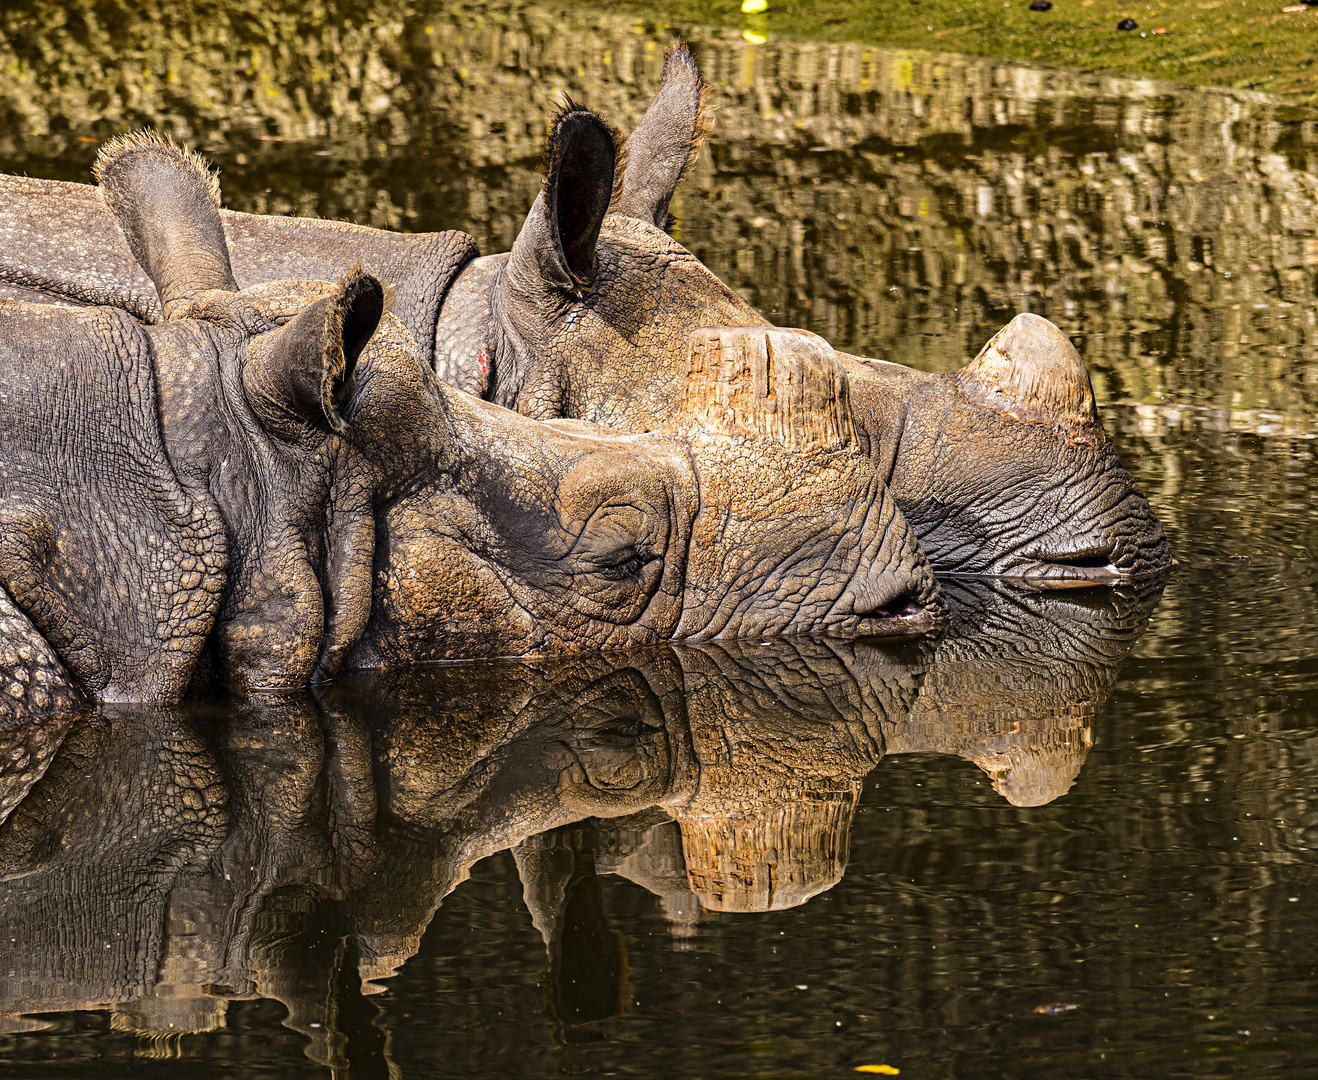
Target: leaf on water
[1055,1009]
[882,1070]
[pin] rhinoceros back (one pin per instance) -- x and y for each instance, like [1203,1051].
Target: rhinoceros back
[58,241]
[420,266]
[101,548]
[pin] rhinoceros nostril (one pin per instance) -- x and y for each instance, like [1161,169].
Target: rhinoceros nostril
[903,606]
[904,615]
[1070,569]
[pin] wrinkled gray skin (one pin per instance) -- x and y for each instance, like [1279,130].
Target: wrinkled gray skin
[588,317]
[272,474]
[299,850]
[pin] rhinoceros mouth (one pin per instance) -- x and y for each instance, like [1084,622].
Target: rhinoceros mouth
[905,615]
[1071,570]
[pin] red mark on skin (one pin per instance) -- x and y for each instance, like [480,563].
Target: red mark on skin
[483,361]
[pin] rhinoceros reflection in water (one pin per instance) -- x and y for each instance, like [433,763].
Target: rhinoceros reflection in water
[300,850]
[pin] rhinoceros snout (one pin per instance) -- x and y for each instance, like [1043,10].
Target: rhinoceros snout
[906,615]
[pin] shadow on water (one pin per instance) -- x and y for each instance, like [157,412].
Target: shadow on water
[165,865]
[786,860]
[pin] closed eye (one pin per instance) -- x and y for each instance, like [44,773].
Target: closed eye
[625,565]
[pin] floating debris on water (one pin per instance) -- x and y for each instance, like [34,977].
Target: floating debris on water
[1040,5]
[1128,24]
[1056,1009]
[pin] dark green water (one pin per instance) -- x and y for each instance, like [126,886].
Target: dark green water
[781,861]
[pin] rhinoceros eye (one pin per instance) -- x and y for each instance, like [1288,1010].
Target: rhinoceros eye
[624,565]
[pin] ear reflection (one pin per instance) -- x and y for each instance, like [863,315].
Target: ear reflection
[295,848]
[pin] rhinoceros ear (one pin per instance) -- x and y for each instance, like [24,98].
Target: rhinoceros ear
[665,142]
[788,385]
[167,204]
[1029,370]
[557,242]
[300,375]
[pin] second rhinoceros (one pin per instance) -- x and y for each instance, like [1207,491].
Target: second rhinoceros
[269,484]
[1003,468]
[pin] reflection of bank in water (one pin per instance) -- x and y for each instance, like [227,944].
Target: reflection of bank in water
[901,203]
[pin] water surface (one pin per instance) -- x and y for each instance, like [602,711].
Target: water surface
[785,860]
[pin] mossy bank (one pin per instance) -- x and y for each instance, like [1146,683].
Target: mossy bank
[1253,44]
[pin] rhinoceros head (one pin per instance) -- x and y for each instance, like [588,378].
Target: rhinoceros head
[501,535]
[1004,468]
[590,311]
[371,510]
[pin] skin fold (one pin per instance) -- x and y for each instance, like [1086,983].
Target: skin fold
[589,316]
[269,484]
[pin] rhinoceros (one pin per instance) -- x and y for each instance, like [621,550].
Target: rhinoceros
[274,474]
[1002,468]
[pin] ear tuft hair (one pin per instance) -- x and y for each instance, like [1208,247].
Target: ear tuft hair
[554,147]
[680,54]
[666,141]
[166,203]
[159,145]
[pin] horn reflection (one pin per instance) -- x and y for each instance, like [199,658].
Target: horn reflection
[162,864]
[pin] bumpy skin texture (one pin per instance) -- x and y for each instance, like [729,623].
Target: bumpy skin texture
[993,467]
[359,510]
[167,486]
[33,680]
[116,563]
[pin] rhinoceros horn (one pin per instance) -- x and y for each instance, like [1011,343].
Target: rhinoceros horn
[167,204]
[765,380]
[1029,370]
